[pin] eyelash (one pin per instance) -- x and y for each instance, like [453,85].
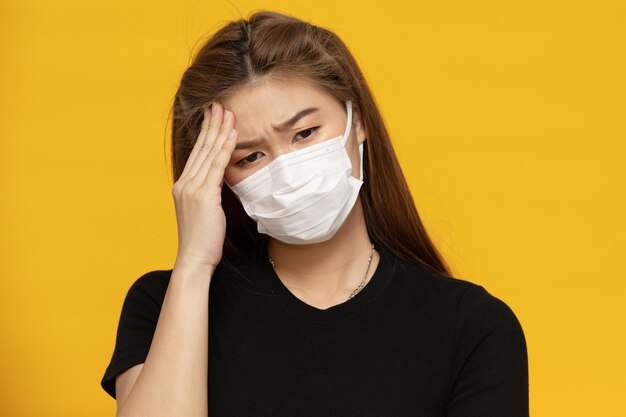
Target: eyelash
[314,130]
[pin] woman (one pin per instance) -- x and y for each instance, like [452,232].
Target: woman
[327,297]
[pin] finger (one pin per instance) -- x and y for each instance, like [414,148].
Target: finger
[199,141]
[215,123]
[215,174]
[205,124]
[225,130]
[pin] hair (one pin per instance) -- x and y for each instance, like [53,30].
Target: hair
[271,44]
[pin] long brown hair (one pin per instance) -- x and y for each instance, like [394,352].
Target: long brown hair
[274,44]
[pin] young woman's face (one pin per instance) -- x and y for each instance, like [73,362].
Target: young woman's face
[259,108]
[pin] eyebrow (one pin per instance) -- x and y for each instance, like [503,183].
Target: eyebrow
[281,127]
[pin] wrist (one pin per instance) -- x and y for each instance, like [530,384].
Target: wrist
[186,267]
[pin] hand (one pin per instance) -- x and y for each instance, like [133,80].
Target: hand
[198,192]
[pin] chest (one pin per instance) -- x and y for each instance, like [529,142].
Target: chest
[263,362]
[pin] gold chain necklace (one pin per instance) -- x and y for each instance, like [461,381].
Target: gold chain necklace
[369,261]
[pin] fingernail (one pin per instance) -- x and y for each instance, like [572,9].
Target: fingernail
[228,116]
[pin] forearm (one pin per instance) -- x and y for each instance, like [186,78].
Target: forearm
[173,380]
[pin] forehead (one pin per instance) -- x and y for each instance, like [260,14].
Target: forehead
[273,100]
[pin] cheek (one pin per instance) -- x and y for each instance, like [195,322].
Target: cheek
[234,175]
[230,175]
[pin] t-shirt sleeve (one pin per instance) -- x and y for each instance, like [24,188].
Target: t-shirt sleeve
[490,365]
[136,326]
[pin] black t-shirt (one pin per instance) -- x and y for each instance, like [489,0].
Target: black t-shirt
[410,343]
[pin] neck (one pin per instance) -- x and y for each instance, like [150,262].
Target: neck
[327,269]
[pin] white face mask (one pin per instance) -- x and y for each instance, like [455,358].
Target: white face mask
[303,196]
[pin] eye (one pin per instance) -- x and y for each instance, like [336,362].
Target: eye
[311,129]
[247,160]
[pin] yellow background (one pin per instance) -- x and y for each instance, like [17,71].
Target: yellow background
[508,118]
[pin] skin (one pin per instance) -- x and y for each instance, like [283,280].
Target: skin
[321,274]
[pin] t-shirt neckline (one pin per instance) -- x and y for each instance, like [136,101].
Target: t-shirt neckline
[339,312]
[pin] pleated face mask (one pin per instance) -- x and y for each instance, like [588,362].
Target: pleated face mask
[303,196]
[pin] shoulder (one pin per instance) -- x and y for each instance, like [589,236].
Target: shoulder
[469,301]
[144,297]
[419,281]
[152,284]
[485,331]
[482,318]
[154,279]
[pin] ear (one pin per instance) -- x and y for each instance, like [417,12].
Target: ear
[361,132]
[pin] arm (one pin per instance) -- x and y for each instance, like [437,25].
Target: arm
[173,379]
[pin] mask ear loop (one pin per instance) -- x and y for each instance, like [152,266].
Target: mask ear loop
[346,133]
[361,149]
